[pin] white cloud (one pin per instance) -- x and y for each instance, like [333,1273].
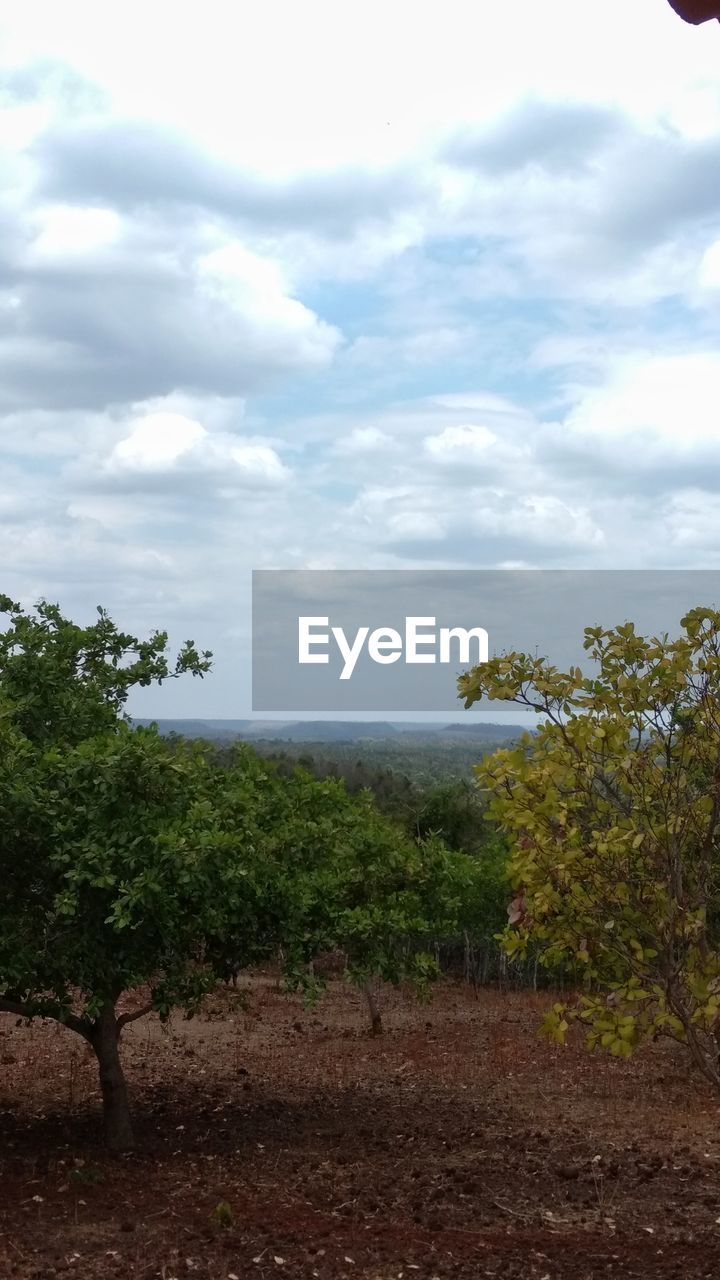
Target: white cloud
[363,440]
[163,444]
[709,269]
[255,287]
[691,519]
[65,232]
[537,518]
[463,444]
[258,462]
[156,442]
[670,403]
[402,513]
[470,293]
[311,108]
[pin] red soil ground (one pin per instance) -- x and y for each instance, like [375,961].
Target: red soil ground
[455,1145]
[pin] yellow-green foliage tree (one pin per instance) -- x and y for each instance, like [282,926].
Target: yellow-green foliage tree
[612,810]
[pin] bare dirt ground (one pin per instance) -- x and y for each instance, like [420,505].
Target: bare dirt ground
[455,1145]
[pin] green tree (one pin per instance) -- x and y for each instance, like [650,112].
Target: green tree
[134,864]
[61,682]
[455,811]
[345,877]
[612,813]
[96,823]
[121,877]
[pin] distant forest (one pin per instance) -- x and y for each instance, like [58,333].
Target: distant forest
[422,763]
[361,753]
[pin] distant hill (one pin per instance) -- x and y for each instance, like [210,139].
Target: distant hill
[335,730]
[486,731]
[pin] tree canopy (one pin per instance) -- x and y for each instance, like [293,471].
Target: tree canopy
[131,864]
[612,811]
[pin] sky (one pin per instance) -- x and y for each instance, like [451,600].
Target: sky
[350,286]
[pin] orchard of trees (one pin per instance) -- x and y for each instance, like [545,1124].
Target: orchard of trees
[131,864]
[139,872]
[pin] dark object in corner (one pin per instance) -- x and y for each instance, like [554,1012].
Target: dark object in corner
[697,11]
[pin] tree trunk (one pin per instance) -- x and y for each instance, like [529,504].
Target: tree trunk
[116,1106]
[376,1025]
[281,969]
[502,971]
[468,956]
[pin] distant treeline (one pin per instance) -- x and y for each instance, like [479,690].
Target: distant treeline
[420,762]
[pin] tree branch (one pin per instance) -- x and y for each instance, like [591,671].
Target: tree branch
[126,1018]
[80,1025]
[14,1006]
